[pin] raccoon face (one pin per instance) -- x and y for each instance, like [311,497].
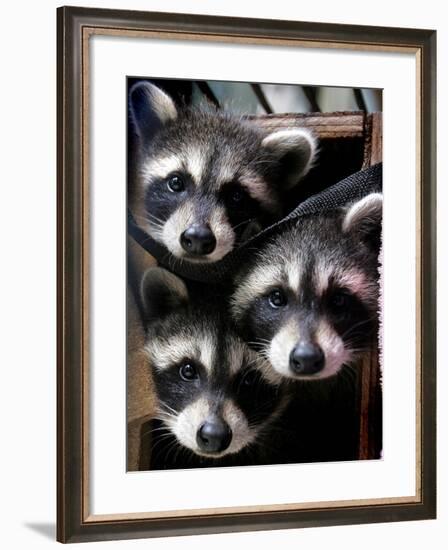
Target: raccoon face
[210,181]
[212,395]
[310,302]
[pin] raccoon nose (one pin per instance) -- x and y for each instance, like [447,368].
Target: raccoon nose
[214,436]
[198,240]
[306,358]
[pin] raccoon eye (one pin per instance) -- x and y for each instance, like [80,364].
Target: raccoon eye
[277,298]
[188,372]
[237,196]
[176,184]
[250,378]
[340,300]
[234,194]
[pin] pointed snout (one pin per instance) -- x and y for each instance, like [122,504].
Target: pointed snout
[198,240]
[214,435]
[306,358]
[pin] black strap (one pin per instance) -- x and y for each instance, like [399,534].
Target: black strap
[347,190]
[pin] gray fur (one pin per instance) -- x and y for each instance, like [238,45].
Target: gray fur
[315,257]
[188,331]
[214,153]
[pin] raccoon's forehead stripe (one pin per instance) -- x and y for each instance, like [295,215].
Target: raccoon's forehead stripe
[256,284]
[192,160]
[196,162]
[268,276]
[354,280]
[294,273]
[161,167]
[208,351]
[166,352]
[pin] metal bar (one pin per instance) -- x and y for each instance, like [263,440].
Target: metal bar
[359,98]
[262,98]
[208,92]
[310,93]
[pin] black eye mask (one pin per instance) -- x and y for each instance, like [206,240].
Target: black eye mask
[347,190]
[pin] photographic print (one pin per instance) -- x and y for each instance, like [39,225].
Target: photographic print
[246,319]
[253,274]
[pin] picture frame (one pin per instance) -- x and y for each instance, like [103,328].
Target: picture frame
[76,26]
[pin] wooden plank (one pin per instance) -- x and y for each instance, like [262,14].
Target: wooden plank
[368,385]
[373,140]
[324,125]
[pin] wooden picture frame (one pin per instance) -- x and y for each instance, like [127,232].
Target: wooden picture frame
[75,26]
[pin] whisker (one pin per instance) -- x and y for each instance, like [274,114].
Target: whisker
[153,222]
[242,223]
[165,406]
[356,325]
[154,430]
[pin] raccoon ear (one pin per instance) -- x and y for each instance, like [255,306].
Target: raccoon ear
[150,109]
[296,150]
[363,218]
[162,293]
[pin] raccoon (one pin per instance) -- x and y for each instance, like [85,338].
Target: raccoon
[214,403]
[207,180]
[309,301]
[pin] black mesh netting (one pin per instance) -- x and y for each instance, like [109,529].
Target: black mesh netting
[349,189]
